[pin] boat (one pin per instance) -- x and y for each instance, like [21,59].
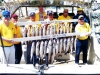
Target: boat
[64,64]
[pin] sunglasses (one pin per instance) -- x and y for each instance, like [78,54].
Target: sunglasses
[6,16]
[81,19]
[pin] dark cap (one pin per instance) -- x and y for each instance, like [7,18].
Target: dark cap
[49,12]
[81,16]
[32,14]
[14,15]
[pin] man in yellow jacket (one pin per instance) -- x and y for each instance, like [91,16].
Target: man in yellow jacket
[41,15]
[64,16]
[82,40]
[18,45]
[66,27]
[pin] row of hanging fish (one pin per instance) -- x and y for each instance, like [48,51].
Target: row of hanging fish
[49,29]
[51,46]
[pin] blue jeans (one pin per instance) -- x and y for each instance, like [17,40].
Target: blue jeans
[81,45]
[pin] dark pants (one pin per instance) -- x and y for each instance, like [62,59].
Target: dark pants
[29,44]
[18,53]
[81,45]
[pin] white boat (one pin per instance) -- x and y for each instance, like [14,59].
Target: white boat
[67,66]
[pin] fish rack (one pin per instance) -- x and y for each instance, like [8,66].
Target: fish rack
[51,37]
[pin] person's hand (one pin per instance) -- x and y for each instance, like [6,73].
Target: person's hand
[81,35]
[88,34]
[10,41]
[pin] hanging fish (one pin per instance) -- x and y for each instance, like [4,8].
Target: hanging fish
[64,32]
[68,28]
[33,48]
[36,30]
[71,28]
[51,30]
[37,48]
[61,41]
[68,44]
[61,31]
[54,41]
[44,30]
[57,46]
[41,49]
[54,29]
[33,31]
[71,44]
[48,30]
[40,31]
[58,32]
[23,31]
[64,28]
[28,32]
[53,53]
[45,48]
[68,38]
[49,49]
[65,44]
[71,39]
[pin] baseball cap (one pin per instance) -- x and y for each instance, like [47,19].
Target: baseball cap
[49,12]
[80,9]
[81,16]
[32,14]
[6,14]
[14,16]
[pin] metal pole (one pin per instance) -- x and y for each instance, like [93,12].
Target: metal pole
[3,49]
